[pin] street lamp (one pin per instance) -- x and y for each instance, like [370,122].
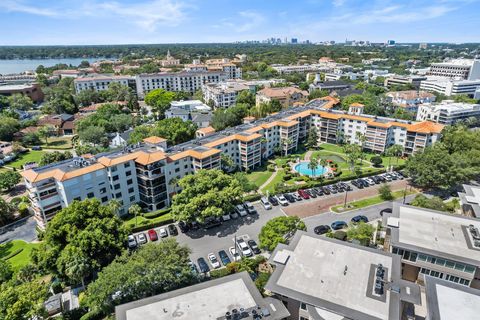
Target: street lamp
[345,200]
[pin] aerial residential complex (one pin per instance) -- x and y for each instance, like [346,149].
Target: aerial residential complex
[322,278]
[447,112]
[435,244]
[466,69]
[410,99]
[143,173]
[100,82]
[450,87]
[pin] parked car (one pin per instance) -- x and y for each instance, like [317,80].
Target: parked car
[326,190]
[265,203]
[319,191]
[337,225]
[332,189]
[376,179]
[322,229]
[132,243]
[36,148]
[202,264]
[296,196]
[183,226]
[357,184]
[240,210]
[172,230]
[273,200]
[226,217]
[392,176]
[364,183]
[250,208]
[253,245]
[152,234]
[244,249]
[386,210]
[311,193]
[212,223]
[193,268]
[235,253]
[290,197]
[163,232]
[224,257]
[359,218]
[303,194]
[369,181]
[397,174]
[141,238]
[282,200]
[234,215]
[339,187]
[387,177]
[213,260]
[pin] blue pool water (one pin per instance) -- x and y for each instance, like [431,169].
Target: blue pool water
[302,168]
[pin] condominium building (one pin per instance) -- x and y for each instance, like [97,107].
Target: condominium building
[450,87]
[100,82]
[224,94]
[438,244]
[321,278]
[466,69]
[404,80]
[410,99]
[287,96]
[145,172]
[32,90]
[231,297]
[447,112]
[225,65]
[188,81]
[470,200]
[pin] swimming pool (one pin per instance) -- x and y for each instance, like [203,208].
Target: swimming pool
[303,168]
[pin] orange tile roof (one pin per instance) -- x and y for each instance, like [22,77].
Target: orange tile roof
[249,118]
[233,137]
[206,130]
[145,158]
[356,104]
[107,162]
[426,127]
[154,140]
[195,154]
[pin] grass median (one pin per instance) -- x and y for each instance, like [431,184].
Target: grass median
[369,201]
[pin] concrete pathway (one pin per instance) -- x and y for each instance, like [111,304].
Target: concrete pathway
[274,174]
[308,155]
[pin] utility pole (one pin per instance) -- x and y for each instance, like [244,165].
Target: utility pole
[345,201]
[405,193]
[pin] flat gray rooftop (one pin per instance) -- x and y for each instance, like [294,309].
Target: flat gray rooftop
[447,300]
[336,276]
[205,301]
[435,232]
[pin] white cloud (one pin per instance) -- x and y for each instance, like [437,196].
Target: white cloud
[338,3]
[243,22]
[21,6]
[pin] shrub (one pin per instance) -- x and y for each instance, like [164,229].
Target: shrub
[271,167]
[385,192]
[340,235]
[218,273]
[376,161]
[287,177]
[12,254]
[23,209]
[261,281]
[252,197]
[158,213]
[16,200]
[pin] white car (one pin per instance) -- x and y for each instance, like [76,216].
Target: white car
[240,210]
[235,253]
[386,177]
[281,199]
[370,181]
[141,238]
[266,204]
[244,248]
[213,261]
[132,243]
[296,196]
[226,217]
[163,233]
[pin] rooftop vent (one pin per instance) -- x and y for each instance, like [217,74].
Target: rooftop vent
[474,232]
[379,279]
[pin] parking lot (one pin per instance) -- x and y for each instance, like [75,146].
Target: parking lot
[313,211]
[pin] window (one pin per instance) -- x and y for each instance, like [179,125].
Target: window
[117,186]
[113,169]
[128,173]
[132,198]
[130,190]
[104,199]
[129,181]
[126,165]
[177,169]
[77,198]
[303,306]
[103,190]
[114,178]
[118,195]
[90,195]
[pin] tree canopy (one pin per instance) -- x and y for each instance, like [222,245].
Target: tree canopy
[55,156]
[111,117]
[175,130]
[207,193]
[224,118]
[23,300]
[8,179]
[20,102]
[8,126]
[84,229]
[279,230]
[159,100]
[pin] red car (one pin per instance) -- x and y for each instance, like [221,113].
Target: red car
[303,194]
[152,234]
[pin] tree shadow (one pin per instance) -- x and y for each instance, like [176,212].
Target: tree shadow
[226,229]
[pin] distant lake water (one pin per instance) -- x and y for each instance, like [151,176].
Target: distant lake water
[17,66]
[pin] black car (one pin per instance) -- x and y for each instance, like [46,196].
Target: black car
[224,257]
[253,245]
[357,183]
[359,218]
[380,178]
[318,191]
[273,200]
[363,182]
[212,223]
[326,190]
[289,197]
[346,186]
[311,193]
[387,210]
[337,225]
[376,179]
[183,226]
[322,229]
[339,187]
[202,265]
[172,230]
[332,189]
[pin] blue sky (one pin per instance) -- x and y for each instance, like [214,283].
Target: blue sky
[47,22]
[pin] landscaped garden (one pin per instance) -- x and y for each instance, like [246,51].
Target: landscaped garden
[29,156]
[17,252]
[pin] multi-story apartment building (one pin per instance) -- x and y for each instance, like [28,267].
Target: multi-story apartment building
[224,94]
[287,96]
[146,172]
[466,69]
[434,243]
[447,112]
[188,81]
[450,87]
[410,99]
[321,278]
[99,82]
[404,80]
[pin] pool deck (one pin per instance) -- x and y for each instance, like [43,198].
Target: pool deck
[317,172]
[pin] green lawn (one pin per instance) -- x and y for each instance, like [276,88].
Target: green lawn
[58,143]
[142,220]
[259,177]
[23,257]
[369,201]
[30,156]
[278,178]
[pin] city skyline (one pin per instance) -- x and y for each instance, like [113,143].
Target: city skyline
[193,21]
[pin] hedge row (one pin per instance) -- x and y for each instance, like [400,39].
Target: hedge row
[155,224]
[218,273]
[158,213]
[252,197]
[12,254]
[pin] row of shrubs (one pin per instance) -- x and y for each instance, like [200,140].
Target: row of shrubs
[157,213]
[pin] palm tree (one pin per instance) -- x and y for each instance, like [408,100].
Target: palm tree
[323,162]
[226,162]
[135,210]
[396,151]
[362,139]
[313,164]
[286,142]
[340,137]
[115,205]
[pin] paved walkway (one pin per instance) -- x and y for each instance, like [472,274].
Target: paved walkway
[274,174]
[308,155]
[323,204]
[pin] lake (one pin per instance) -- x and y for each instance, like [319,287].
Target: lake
[18,66]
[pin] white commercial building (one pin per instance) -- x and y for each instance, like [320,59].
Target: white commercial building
[466,69]
[193,110]
[410,99]
[447,112]
[100,82]
[450,87]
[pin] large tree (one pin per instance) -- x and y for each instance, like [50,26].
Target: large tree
[20,102]
[207,193]
[279,230]
[224,118]
[153,269]
[85,229]
[94,135]
[8,179]
[159,100]
[23,301]
[55,156]
[175,130]
[7,211]
[8,126]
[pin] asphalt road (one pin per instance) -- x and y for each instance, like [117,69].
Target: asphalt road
[24,230]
